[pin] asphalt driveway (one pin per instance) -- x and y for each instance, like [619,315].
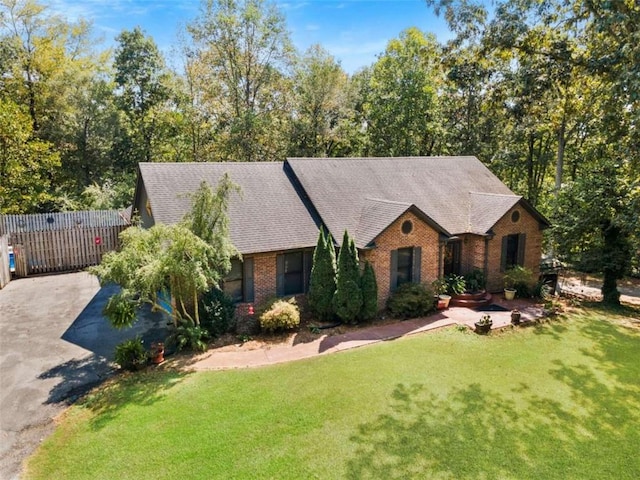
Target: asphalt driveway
[54,345]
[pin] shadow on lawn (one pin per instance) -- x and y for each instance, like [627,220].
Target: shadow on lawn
[588,432]
[142,389]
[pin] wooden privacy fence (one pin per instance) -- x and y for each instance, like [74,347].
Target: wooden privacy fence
[5,273]
[60,245]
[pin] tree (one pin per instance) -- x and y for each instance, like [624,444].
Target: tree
[402,109]
[321,106]
[246,47]
[595,223]
[160,259]
[27,165]
[322,284]
[48,67]
[208,220]
[347,300]
[141,77]
[172,259]
[369,293]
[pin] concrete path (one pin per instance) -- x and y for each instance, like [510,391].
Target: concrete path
[54,345]
[238,357]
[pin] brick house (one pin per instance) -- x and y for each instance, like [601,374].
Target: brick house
[414,218]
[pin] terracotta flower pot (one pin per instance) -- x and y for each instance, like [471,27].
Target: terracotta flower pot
[157,352]
[443,300]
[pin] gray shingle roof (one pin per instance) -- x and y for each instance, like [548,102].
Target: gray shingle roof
[487,208]
[376,215]
[341,189]
[267,215]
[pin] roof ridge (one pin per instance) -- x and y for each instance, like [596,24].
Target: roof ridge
[409,157]
[393,202]
[495,194]
[274,162]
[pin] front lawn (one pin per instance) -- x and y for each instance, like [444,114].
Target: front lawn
[557,401]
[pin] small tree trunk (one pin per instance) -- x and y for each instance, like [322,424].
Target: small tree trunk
[610,293]
[616,253]
[560,156]
[195,306]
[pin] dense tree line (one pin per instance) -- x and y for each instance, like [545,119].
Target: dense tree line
[545,92]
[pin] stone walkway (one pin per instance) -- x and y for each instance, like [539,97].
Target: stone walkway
[239,357]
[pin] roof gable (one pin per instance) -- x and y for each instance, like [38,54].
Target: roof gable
[267,214]
[377,215]
[487,208]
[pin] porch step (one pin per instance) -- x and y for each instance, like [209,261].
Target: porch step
[470,300]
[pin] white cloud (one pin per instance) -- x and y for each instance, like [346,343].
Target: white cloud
[289,6]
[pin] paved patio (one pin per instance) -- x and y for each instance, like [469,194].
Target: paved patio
[224,358]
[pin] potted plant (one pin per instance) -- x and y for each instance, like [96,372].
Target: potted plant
[515,316]
[483,326]
[455,284]
[442,297]
[475,281]
[157,352]
[517,280]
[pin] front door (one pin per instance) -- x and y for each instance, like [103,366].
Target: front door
[452,258]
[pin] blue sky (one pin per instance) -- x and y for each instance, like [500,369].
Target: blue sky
[354,31]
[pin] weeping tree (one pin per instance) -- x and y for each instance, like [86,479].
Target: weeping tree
[322,284]
[183,260]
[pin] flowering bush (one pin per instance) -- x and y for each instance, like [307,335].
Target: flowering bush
[282,315]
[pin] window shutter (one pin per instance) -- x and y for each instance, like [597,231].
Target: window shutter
[247,283]
[394,270]
[307,262]
[280,275]
[521,248]
[503,257]
[417,263]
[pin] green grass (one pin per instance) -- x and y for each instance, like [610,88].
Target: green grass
[561,400]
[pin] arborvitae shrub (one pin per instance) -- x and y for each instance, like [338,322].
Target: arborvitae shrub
[369,293]
[347,301]
[323,278]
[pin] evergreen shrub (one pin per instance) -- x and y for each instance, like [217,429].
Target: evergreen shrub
[217,312]
[369,293]
[347,301]
[411,300]
[323,278]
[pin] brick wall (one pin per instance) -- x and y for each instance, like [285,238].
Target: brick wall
[472,253]
[422,235]
[264,283]
[264,276]
[392,238]
[526,224]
